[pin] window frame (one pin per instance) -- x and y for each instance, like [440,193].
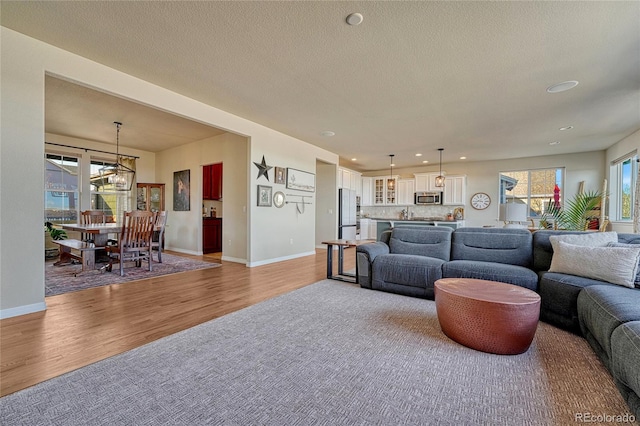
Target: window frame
[560,182]
[616,186]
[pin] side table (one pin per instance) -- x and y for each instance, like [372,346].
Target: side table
[341,244]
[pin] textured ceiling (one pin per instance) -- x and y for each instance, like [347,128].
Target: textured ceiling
[414,76]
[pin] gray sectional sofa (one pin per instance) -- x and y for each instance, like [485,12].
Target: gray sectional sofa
[409,260]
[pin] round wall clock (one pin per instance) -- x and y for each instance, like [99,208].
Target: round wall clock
[480,201]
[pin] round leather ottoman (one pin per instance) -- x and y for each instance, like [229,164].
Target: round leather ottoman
[488,316]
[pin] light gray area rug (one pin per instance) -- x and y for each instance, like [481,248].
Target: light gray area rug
[330,353]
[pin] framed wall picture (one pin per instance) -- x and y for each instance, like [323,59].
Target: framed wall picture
[301,180]
[281,175]
[181,190]
[264,196]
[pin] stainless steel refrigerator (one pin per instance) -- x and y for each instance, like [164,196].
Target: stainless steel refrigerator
[347,214]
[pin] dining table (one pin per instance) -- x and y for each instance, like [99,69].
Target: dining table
[99,231]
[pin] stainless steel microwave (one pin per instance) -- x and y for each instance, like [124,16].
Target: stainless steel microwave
[427,198]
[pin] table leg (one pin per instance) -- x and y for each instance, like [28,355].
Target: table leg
[329,260]
[340,259]
[88,260]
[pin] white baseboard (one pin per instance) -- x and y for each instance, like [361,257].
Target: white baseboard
[280,259]
[179,250]
[22,310]
[234,259]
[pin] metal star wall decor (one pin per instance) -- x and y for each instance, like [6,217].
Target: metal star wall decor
[263,169]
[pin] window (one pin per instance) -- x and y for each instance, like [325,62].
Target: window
[535,188]
[60,189]
[623,173]
[104,197]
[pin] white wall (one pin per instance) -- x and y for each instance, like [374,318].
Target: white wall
[326,204]
[24,62]
[482,176]
[184,228]
[625,146]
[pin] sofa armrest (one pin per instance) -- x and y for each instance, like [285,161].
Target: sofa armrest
[365,255]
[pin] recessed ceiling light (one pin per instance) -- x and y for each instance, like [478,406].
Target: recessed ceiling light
[354,19]
[463,158]
[353,159]
[554,143]
[561,87]
[418,155]
[566,128]
[425,161]
[327,133]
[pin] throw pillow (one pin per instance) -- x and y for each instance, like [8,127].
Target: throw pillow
[617,265]
[637,280]
[591,239]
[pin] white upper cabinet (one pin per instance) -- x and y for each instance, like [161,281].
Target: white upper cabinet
[426,182]
[406,188]
[367,192]
[455,190]
[383,194]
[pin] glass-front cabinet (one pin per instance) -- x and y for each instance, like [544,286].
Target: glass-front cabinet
[150,196]
[385,190]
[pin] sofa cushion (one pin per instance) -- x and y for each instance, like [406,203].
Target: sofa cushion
[406,274]
[617,265]
[559,293]
[637,279]
[601,309]
[591,239]
[492,271]
[543,252]
[625,362]
[502,245]
[431,241]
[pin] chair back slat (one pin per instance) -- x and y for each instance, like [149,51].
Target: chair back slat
[137,228]
[91,217]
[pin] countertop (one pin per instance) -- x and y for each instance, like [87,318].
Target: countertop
[429,220]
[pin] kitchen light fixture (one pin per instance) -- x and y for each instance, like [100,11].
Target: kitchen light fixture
[440,178]
[391,183]
[117,174]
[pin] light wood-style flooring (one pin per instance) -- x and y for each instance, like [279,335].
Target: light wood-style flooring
[86,326]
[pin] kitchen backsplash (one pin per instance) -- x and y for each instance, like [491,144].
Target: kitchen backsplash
[393,212]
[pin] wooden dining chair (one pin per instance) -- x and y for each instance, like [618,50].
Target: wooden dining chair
[134,244]
[89,217]
[158,232]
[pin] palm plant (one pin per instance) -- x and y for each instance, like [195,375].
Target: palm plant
[56,234]
[575,213]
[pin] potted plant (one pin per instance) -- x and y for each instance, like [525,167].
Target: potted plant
[51,233]
[574,215]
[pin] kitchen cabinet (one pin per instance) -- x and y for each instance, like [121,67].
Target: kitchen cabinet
[382,194]
[212,182]
[211,235]
[150,196]
[366,199]
[455,191]
[426,182]
[350,180]
[406,188]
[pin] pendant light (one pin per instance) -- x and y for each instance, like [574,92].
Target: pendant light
[440,177]
[117,175]
[391,182]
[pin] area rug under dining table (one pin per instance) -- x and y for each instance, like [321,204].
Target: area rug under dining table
[68,278]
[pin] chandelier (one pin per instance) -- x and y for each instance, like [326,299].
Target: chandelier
[117,175]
